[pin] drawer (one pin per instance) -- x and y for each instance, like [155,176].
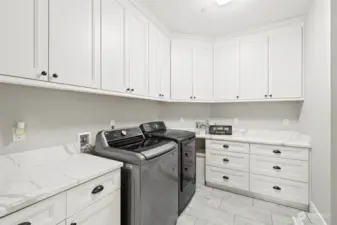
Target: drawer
[282,168]
[228,160]
[227,178]
[107,211]
[227,146]
[86,194]
[280,151]
[280,189]
[49,211]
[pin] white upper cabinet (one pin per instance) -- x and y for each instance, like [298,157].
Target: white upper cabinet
[254,67]
[286,62]
[182,70]
[24,38]
[159,64]
[203,71]
[192,70]
[137,52]
[226,70]
[112,47]
[72,41]
[165,67]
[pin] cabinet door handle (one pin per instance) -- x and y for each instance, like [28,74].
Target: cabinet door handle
[25,223]
[266,96]
[128,89]
[277,152]
[271,96]
[44,73]
[132,90]
[194,97]
[98,189]
[225,178]
[55,75]
[225,146]
[191,97]
[73,224]
[277,188]
[237,97]
[225,160]
[277,168]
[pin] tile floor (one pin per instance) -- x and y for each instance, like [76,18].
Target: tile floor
[215,207]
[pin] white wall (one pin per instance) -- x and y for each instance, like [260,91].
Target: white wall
[55,117]
[258,115]
[250,115]
[315,118]
[334,112]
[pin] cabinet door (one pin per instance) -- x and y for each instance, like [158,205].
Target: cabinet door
[254,67]
[137,52]
[104,212]
[165,67]
[24,38]
[154,62]
[112,47]
[285,56]
[182,70]
[203,71]
[72,41]
[48,212]
[226,70]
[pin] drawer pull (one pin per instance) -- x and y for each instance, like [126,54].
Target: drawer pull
[98,189]
[73,224]
[277,151]
[225,146]
[25,223]
[277,168]
[225,178]
[225,160]
[277,188]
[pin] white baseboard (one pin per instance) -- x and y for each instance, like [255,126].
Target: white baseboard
[316,215]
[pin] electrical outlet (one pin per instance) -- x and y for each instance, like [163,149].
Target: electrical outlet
[285,122]
[83,140]
[236,121]
[112,124]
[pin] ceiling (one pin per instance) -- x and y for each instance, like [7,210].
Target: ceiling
[206,18]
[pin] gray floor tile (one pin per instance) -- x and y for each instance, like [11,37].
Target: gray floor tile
[280,209]
[202,200]
[221,194]
[239,220]
[186,220]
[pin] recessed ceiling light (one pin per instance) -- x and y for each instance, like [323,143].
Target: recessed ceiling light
[223,2]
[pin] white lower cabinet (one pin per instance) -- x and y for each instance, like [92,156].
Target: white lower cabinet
[104,212]
[227,178]
[280,189]
[276,173]
[96,202]
[49,212]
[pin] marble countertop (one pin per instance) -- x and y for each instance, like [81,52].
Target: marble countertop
[29,177]
[268,137]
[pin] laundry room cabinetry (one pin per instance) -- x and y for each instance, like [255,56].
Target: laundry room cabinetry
[260,67]
[95,202]
[276,173]
[192,70]
[159,64]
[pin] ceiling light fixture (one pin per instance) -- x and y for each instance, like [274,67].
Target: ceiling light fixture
[223,2]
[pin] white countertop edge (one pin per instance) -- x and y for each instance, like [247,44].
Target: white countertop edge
[251,141]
